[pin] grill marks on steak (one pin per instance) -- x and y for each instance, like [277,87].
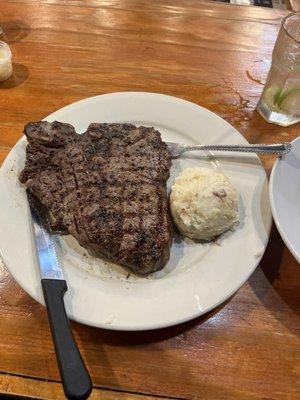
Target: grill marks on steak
[44,141]
[106,187]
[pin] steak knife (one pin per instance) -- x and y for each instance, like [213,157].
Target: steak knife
[75,378]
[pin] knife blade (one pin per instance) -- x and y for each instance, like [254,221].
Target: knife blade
[46,251]
[75,378]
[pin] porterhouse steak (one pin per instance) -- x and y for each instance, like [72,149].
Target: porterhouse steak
[106,187]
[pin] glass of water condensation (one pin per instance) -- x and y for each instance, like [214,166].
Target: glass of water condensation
[280,99]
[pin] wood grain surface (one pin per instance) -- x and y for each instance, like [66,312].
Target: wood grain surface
[21,386]
[214,55]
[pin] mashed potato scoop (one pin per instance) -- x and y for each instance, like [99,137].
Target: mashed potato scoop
[203,203]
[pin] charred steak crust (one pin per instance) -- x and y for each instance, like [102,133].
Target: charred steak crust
[106,187]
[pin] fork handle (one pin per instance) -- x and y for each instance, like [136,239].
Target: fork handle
[280,148]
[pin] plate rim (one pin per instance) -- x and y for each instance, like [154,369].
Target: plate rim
[276,218]
[198,313]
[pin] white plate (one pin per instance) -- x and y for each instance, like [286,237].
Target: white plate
[198,276]
[285,198]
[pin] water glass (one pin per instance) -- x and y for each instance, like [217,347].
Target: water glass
[280,99]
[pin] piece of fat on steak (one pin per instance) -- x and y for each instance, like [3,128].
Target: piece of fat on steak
[106,187]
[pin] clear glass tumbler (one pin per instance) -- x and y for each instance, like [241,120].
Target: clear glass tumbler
[280,99]
[2,36]
[6,68]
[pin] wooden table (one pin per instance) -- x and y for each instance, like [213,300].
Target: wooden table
[211,54]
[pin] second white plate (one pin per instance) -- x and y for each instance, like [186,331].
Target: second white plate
[285,196]
[198,277]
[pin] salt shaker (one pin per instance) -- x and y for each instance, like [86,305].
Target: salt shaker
[6,69]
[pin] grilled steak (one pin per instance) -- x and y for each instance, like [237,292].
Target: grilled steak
[106,187]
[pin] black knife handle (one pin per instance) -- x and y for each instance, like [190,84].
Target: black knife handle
[75,378]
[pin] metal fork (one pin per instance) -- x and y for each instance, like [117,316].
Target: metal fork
[177,149]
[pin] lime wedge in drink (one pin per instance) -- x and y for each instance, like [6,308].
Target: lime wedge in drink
[289,101]
[272,94]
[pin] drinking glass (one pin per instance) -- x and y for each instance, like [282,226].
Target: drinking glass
[2,36]
[280,99]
